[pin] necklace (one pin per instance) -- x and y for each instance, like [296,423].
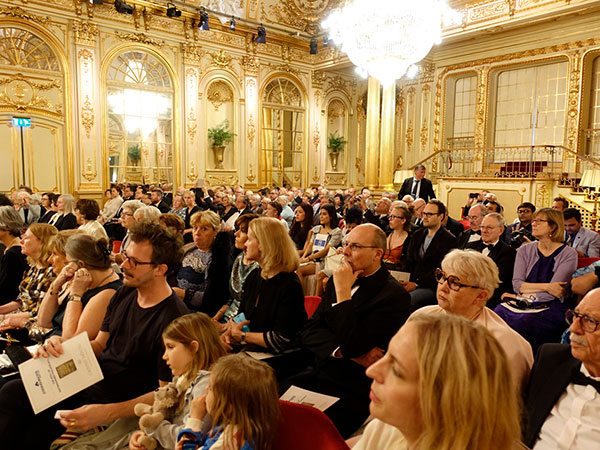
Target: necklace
[103,280]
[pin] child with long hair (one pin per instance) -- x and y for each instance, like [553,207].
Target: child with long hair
[243,404]
[192,345]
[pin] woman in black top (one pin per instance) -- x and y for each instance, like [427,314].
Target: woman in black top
[272,301]
[12,263]
[190,208]
[301,225]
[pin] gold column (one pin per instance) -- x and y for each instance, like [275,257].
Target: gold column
[386,150]
[372,135]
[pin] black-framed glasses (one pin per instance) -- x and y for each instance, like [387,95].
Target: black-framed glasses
[396,217]
[429,214]
[452,280]
[589,324]
[539,220]
[135,262]
[353,246]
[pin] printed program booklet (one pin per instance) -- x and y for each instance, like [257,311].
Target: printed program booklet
[51,380]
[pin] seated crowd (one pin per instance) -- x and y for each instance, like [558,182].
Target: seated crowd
[425,331]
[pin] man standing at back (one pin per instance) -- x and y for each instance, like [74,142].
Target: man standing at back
[128,347]
[362,308]
[417,186]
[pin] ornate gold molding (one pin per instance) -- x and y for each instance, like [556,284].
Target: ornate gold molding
[85,32]
[139,37]
[192,126]
[410,135]
[300,14]
[15,11]
[424,135]
[20,93]
[192,176]
[573,100]
[218,93]
[87,116]
[250,176]
[481,108]
[192,53]
[220,59]
[335,179]
[315,174]
[318,78]
[251,65]
[89,174]
[251,130]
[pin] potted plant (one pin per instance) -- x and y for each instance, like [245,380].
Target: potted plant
[335,144]
[134,153]
[220,135]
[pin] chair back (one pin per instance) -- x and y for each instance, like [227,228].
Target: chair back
[583,262]
[311,303]
[303,427]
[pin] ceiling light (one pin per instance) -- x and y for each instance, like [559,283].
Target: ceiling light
[172,10]
[232,24]
[314,46]
[96,2]
[123,7]
[325,41]
[261,35]
[203,24]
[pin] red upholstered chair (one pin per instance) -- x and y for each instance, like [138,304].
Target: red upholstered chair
[581,262]
[311,303]
[303,427]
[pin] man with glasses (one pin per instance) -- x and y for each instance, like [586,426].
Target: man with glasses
[128,347]
[491,245]
[476,214]
[563,401]
[585,242]
[466,281]
[362,308]
[428,246]
[525,214]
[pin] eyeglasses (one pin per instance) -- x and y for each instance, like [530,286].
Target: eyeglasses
[396,217]
[589,324]
[428,214]
[353,246]
[473,217]
[523,211]
[452,281]
[539,220]
[125,214]
[134,262]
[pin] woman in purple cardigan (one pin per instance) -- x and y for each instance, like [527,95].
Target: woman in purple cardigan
[542,272]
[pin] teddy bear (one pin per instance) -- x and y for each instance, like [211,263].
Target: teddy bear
[166,402]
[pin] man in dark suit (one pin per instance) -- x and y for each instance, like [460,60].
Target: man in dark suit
[428,246]
[476,214]
[381,216]
[157,200]
[417,186]
[563,397]
[362,308]
[492,245]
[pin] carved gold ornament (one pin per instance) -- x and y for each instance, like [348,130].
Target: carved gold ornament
[250,176]
[89,174]
[192,176]
[85,32]
[192,126]
[573,100]
[424,135]
[87,116]
[20,93]
[336,110]
[410,135]
[251,133]
[139,37]
[316,174]
[317,78]
[21,14]
[304,15]
[218,93]
[335,179]
[192,53]
[220,59]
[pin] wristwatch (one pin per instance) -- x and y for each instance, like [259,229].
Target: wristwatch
[243,339]
[75,298]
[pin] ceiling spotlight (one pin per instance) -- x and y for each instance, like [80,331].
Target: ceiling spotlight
[325,41]
[123,7]
[203,24]
[96,2]
[314,49]
[261,35]
[232,24]
[172,10]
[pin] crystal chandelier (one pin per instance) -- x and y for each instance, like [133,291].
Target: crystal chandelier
[384,37]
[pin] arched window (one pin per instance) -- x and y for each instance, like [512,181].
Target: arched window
[140,117]
[20,48]
[282,144]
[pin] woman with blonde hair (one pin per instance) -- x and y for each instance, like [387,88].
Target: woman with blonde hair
[148,214]
[64,219]
[203,279]
[543,271]
[443,384]
[272,301]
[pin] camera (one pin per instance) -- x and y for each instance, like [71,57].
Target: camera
[518,237]
[473,195]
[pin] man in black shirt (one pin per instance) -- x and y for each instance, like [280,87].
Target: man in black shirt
[128,347]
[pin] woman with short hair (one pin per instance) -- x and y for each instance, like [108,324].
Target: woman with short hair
[543,271]
[443,384]
[13,263]
[87,211]
[112,206]
[272,301]
[127,221]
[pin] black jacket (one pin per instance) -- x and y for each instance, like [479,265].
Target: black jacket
[425,192]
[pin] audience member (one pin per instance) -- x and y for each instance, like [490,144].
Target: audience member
[228,208]
[287,213]
[417,186]
[398,239]
[523,226]
[497,250]
[562,401]
[466,281]
[128,349]
[127,221]
[272,300]
[49,205]
[542,271]
[444,384]
[13,263]
[87,211]
[301,226]
[191,208]
[203,278]
[147,213]
[179,207]
[418,207]
[273,210]
[494,207]
[29,212]
[585,242]
[112,206]
[362,308]
[381,216]
[476,214]
[560,203]
[156,197]
[427,248]
[64,219]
